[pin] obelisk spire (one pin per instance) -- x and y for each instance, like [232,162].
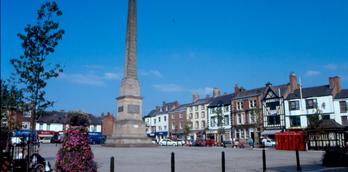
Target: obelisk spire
[129,128]
[131,42]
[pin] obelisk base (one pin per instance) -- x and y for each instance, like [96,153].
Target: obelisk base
[129,133]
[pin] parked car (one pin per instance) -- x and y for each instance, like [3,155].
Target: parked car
[45,140]
[268,142]
[96,138]
[211,143]
[199,143]
[168,142]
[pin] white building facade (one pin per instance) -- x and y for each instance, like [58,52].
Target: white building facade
[341,107]
[219,118]
[306,104]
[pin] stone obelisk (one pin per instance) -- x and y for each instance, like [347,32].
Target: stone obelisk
[129,129]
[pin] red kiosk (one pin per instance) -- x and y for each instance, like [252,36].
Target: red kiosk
[290,140]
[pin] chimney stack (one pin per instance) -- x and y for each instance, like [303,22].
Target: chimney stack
[158,108]
[216,92]
[268,84]
[236,89]
[195,97]
[293,82]
[335,85]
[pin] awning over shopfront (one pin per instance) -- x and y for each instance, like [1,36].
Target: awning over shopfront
[269,132]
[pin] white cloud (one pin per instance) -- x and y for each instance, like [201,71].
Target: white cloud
[84,79]
[155,73]
[203,91]
[168,87]
[112,76]
[331,66]
[312,73]
[90,78]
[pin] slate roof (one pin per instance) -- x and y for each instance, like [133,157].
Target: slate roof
[63,118]
[249,93]
[317,91]
[329,124]
[202,101]
[222,100]
[181,108]
[154,112]
[342,94]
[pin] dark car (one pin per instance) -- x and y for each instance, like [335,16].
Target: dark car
[96,138]
[199,143]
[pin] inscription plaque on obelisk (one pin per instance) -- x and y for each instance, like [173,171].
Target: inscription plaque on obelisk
[129,129]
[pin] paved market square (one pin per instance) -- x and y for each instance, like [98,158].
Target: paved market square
[196,159]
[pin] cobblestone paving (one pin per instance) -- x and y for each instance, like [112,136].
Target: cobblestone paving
[196,159]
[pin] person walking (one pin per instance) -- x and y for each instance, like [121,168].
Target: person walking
[251,142]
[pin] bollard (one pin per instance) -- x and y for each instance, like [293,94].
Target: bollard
[112,164]
[298,161]
[263,159]
[223,161]
[173,162]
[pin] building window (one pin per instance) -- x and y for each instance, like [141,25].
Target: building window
[180,115]
[272,105]
[294,105]
[212,122]
[326,117]
[203,124]
[196,107]
[180,125]
[227,108]
[242,134]
[190,109]
[344,120]
[159,119]
[173,125]
[295,121]
[239,118]
[191,115]
[252,118]
[343,106]
[165,118]
[273,120]
[239,105]
[203,115]
[226,121]
[154,121]
[165,128]
[202,107]
[196,115]
[173,116]
[252,103]
[48,127]
[311,103]
[196,124]
[40,126]
[238,133]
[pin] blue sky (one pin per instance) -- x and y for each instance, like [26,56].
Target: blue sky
[185,46]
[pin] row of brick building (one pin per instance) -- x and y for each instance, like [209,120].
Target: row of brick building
[253,113]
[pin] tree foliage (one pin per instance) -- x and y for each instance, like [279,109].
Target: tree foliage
[38,42]
[11,97]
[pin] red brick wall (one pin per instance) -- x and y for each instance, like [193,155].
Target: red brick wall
[107,124]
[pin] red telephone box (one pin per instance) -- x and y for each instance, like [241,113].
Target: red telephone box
[290,140]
